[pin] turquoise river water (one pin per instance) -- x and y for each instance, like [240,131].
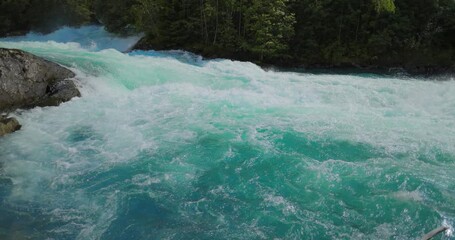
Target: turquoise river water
[166,145]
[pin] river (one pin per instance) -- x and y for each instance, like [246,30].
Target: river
[166,145]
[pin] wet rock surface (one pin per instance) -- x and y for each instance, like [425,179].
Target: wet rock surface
[27,81]
[8,125]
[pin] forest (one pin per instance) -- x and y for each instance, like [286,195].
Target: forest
[327,33]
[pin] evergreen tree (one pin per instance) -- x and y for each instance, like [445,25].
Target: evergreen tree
[384,5]
[310,32]
[270,27]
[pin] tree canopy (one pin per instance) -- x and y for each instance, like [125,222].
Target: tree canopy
[307,32]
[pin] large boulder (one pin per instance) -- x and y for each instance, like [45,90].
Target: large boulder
[8,125]
[27,81]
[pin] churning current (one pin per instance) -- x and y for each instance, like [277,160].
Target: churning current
[166,145]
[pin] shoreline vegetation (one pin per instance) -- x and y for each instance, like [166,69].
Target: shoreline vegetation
[371,36]
[427,71]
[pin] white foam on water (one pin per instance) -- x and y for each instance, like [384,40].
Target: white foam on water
[409,196]
[93,38]
[449,232]
[142,104]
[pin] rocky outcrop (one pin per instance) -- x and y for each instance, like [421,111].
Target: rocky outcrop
[8,125]
[27,81]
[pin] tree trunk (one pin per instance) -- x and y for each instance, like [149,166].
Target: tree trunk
[216,24]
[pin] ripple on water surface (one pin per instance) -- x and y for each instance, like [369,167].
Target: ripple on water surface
[170,146]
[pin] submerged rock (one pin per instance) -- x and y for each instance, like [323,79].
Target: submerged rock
[8,125]
[27,81]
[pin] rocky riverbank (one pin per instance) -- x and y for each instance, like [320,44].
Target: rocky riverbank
[28,81]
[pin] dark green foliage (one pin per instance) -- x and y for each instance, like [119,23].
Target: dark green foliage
[261,29]
[115,15]
[270,26]
[48,15]
[309,32]
[384,5]
[13,16]
[17,16]
[412,32]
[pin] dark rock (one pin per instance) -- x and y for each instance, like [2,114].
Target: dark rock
[8,125]
[27,81]
[59,92]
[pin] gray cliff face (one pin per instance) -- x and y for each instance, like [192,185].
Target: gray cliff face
[27,81]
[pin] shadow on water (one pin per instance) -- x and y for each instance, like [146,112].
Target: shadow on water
[140,217]
[326,149]
[26,220]
[83,133]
